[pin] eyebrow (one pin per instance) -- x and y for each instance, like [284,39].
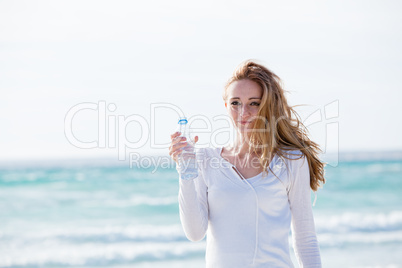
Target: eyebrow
[249,98]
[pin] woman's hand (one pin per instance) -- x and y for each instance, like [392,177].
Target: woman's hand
[177,144]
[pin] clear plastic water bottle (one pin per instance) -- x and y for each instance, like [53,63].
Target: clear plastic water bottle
[187,164]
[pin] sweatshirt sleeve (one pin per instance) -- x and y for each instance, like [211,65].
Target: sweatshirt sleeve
[193,205]
[304,237]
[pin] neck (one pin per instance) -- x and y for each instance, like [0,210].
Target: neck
[241,146]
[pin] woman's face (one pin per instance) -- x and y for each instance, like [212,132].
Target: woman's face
[242,103]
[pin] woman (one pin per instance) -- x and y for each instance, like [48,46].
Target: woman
[248,197]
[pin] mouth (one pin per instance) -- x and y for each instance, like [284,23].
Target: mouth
[244,122]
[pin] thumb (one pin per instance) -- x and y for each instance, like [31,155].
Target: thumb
[195,139]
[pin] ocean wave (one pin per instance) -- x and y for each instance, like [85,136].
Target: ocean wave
[379,266]
[146,200]
[108,234]
[26,198]
[91,254]
[359,239]
[384,168]
[361,222]
[120,245]
[134,200]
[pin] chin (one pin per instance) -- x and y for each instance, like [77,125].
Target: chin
[243,128]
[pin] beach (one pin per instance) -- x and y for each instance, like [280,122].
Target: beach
[60,215]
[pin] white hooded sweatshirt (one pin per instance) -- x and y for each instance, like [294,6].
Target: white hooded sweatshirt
[247,221]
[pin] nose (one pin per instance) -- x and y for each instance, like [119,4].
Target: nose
[244,111]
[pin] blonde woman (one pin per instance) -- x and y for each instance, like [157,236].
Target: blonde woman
[247,197]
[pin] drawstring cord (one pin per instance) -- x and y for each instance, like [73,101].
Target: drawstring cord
[256,213]
[315,198]
[257,210]
[256,221]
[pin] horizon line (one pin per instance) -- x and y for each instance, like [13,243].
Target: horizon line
[109,160]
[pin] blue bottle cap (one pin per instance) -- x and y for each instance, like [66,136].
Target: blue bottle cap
[183,121]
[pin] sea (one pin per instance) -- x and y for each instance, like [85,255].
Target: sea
[108,214]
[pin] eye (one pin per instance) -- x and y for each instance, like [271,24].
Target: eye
[255,103]
[234,103]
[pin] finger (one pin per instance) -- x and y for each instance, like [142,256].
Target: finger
[176,146]
[179,145]
[177,140]
[174,135]
[176,154]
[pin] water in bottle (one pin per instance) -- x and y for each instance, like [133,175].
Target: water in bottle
[187,164]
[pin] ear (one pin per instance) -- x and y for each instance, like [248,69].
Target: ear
[226,105]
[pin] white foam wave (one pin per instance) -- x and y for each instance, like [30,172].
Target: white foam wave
[145,200]
[27,197]
[380,266]
[363,222]
[341,240]
[106,234]
[51,253]
[384,167]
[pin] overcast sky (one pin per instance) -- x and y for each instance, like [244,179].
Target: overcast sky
[342,59]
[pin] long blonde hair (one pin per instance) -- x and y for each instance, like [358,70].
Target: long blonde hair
[280,132]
